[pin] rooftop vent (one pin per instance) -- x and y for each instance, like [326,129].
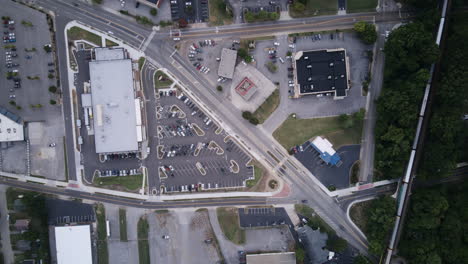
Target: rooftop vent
[309,66]
[306,58]
[329,77]
[309,79]
[331,64]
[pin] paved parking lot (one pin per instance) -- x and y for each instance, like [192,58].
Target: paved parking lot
[261,217]
[192,161]
[330,175]
[193,11]
[30,98]
[187,230]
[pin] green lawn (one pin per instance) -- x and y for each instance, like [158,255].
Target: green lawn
[76,33]
[141,61]
[110,43]
[130,183]
[296,131]
[354,6]
[102,251]
[316,8]
[218,14]
[161,80]
[123,224]
[228,218]
[143,244]
[268,107]
[258,172]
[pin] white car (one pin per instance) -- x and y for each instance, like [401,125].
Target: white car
[176,39]
[276,44]
[110,32]
[292,46]
[166,237]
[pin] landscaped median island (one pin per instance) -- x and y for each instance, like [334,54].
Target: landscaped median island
[123,224]
[102,250]
[161,80]
[339,130]
[77,33]
[228,218]
[126,183]
[268,107]
[143,243]
[306,8]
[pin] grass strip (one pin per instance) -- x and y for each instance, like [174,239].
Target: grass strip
[228,218]
[123,224]
[143,244]
[102,250]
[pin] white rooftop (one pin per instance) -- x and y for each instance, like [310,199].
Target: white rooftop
[11,128]
[324,145]
[272,258]
[113,105]
[73,244]
[109,53]
[227,63]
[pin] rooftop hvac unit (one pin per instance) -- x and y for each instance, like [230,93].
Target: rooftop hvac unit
[309,66]
[309,79]
[329,77]
[306,58]
[333,87]
[331,64]
[342,75]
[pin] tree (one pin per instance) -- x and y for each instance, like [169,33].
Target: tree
[53,89]
[366,32]
[97,2]
[250,117]
[298,6]
[289,53]
[361,260]
[336,244]
[50,76]
[153,11]
[381,216]
[52,102]
[219,88]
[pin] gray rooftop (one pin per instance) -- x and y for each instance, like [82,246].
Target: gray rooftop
[113,106]
[227,63]
[109,53]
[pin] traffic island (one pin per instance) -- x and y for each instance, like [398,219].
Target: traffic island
[234,166]
[197,130]
[201,168]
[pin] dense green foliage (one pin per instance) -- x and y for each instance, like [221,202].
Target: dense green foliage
[447,141]
[381,216]
[336,244]
[260,16]
[244,54]
[366,32]
[250,117]
[153,11]
[436,230]
[409,50]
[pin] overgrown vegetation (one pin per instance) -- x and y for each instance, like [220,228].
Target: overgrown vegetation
[436,229]
[141,62]
[258,173]
[102,250]
[110,43]
[272,67]
[447,140]
[220,14]
[267,107]
[260,16]
[339,130]
[228,218]
[244,54]
[366,32]
[353,6]
[144,20]
[143,244]
[33,208]
[409,51]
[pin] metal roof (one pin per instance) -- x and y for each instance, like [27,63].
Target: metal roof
[11,127]
[73,244]
[325,148]
[113,105]
[109,53]
[227,63]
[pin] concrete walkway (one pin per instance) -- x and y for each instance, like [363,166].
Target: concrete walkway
[4,227]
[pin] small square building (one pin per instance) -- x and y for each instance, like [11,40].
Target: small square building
[246,88]
[227,63]
[321,72]
[11,126]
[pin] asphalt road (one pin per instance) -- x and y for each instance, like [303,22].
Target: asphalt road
[259,143]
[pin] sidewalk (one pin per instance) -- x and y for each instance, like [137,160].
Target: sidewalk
[5,227]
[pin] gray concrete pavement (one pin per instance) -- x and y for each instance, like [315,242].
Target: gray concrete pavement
[7,251]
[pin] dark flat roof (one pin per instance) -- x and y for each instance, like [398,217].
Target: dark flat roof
[322,71]
[63,212]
